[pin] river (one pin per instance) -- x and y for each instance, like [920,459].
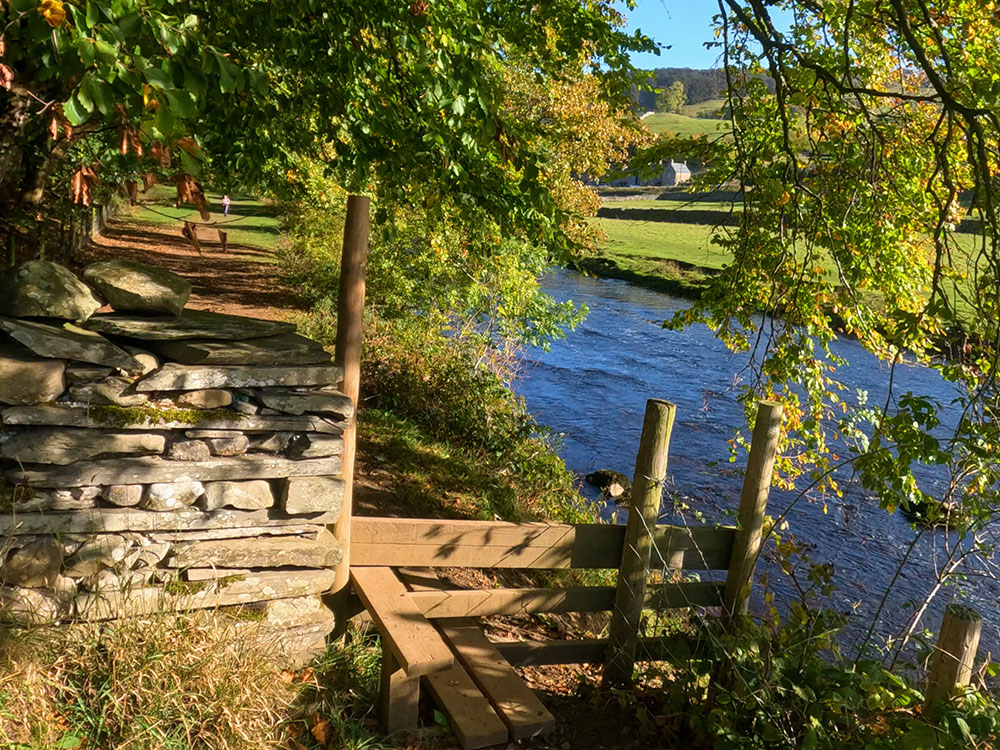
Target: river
[591,390]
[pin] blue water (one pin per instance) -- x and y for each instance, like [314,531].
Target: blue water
[591,389]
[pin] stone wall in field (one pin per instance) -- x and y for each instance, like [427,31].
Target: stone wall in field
[157,458]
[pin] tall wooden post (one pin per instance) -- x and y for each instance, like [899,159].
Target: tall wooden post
[647,490]
[753,503]
[350,318]
[951,665]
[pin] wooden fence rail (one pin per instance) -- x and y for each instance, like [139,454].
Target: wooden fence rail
[405,542]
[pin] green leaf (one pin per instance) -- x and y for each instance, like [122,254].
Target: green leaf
[106,52]
[919,737]
[227,74]
[182,104]
[165,121]
[85,48]
[194,82]
[156,77]
[93,15]
[104,97]
[83,97]
[192,166]
[170,38]
[69,742]
[129,25]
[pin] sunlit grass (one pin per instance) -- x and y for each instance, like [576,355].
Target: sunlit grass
[683,125]
[673,205]
[250,222]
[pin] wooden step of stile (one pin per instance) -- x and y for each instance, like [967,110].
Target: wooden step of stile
[469,713]
[414,642]
[517,705]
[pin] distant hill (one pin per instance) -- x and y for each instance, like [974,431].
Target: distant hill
[699,85]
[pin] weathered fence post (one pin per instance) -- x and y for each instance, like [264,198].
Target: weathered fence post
[647,489]
[951,665]
[350,317]
[753,503]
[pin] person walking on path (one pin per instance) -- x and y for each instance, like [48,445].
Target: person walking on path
[225,205]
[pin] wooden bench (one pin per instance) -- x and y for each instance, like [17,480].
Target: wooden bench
[431,639]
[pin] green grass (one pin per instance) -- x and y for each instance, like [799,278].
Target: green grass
[709,108]
[685,126]
[676,257]
[250,222]
[672,205]
[635,241]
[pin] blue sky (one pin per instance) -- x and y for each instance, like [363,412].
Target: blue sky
[684,24]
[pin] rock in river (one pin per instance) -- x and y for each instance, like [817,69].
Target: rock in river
[614,484]
[138,287]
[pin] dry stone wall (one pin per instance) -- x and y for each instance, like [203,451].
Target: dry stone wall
[161,458]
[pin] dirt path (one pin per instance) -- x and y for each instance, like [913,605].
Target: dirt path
[243,280]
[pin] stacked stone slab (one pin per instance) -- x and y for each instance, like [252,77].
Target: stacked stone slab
[161,458]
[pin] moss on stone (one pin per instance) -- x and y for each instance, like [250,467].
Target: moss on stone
[252,612]
[184,588]
[120,416]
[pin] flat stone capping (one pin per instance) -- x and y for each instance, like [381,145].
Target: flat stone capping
[261,586]
[68,342]
[81,416]
[287,349]
[113,520]
[175,377]
[153,469]
[276,552]
[190,324]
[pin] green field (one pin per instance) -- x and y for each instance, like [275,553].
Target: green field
[683,125]
[250,222]
[632,241]
[679,254]
[671,205]
[709,108]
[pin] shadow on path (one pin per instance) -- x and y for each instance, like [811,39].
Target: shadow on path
[241,281]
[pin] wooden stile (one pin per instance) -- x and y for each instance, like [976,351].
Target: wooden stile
[647,491]
[483,676]
[413,641]
[753,503]
[470,714]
